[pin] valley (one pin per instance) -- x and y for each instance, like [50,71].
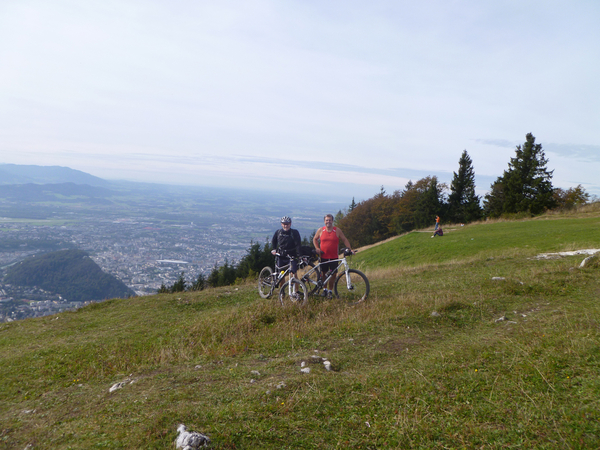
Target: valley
[145,235]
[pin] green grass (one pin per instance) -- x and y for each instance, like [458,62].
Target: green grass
[481,240]
[402,377]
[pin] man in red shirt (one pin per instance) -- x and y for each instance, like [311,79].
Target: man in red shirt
[326,242]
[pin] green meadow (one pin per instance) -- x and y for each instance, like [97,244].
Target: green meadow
[466,341]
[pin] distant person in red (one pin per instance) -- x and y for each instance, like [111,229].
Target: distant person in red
[438,232]
[437,222]
[327,245]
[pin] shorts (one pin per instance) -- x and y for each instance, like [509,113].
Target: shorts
[328,264]
[282,261]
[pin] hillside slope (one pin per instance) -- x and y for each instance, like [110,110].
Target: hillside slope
[455,348]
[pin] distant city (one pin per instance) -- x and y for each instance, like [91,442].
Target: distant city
[139,245]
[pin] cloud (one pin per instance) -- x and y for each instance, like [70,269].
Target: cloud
[586,153]
[497,142]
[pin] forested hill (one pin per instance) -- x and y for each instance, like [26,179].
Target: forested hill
[69,273]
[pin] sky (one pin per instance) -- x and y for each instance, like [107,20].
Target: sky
[328,98]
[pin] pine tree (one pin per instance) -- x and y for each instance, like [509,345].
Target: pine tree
[526,185]
[493,203]
[463,204]
[199,284]
[352,205]
[179,285]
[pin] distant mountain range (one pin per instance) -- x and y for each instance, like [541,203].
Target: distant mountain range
[23,174]
[69,273]
[65,192]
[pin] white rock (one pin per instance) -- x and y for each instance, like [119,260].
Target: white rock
[327,365]
[498,278]
[586,261]
[116,386]
[305,370]
[435,314]
[190,440]
[587,251]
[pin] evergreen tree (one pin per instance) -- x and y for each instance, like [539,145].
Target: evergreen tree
[213,277]
[527,182]
[179,285]
[493,203]
[308,241]
[463,204]
[250,264]
[199,284]
[526,185]
[352,205]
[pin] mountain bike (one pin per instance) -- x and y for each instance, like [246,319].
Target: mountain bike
[351,286]
[293,291]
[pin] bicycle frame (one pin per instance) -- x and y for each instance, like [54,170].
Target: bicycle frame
[280,273]
[320,283]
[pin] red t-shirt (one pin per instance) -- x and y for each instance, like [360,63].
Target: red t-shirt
[329,243]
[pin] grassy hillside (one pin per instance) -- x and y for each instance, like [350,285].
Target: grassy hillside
[440,356]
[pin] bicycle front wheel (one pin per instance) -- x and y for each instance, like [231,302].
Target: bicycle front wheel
[296,294]
[353,288]
[265,282]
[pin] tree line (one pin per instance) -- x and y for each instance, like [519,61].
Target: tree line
[257,256]
[525,189]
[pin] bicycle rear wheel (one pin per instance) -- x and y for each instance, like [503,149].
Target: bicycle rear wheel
[353,290]
[298,295]
[265,282]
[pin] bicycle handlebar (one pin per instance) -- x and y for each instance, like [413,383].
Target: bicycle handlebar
[286,255]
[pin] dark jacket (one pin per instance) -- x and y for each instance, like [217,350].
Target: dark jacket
[289,241]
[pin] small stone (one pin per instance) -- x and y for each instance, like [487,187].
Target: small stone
[586,261]
[435,314]
[498,278]
[305,370]
[116,386]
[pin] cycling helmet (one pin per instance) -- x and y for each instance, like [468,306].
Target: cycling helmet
[286,219]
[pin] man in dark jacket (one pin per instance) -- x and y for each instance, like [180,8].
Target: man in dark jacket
[286,242]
